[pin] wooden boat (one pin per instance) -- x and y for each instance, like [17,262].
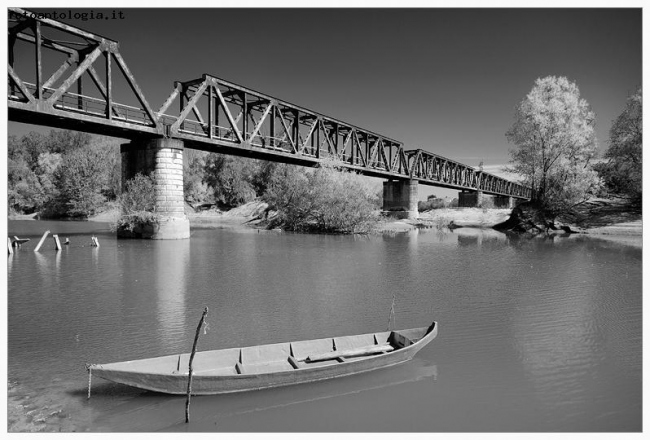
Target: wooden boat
[264,366]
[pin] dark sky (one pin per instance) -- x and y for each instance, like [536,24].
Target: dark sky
[446,80]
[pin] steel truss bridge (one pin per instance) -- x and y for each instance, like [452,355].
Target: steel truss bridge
[213,114]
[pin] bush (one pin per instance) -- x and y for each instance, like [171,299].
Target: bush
[136,221]
[431,203]
[138,204]
[231,178]
[139,194]
[487,203]
[324,199]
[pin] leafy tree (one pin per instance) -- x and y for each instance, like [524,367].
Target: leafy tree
[34,179]
[555,141]
[262,176]
[195,188]
[48,164]
[82,180]
[324,199]
[24,192]
[622,172]
[33,144]
[231,178]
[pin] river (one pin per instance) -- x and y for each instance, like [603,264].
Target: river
[535,335]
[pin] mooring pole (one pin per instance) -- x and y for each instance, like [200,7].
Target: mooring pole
[189,379]
[391,314]
[90,377]
[38,246]
[57,243]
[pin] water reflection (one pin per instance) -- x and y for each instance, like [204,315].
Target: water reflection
[474,237]
[537,334]
[171,264]
[210,412]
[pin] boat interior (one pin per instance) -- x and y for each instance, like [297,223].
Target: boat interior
[272,358]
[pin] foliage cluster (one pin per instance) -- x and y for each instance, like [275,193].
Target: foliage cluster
[622,169]
[431,203]
[61,174]
[324,199]
[555,143]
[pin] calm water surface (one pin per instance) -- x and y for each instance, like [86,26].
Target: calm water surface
[535,335]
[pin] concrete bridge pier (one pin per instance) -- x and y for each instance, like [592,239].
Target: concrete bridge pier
[507,202]
[470,199]
[401,198]
[163,158]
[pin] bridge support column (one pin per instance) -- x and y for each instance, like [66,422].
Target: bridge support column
[470,199]
[505,202]
[163,158]
[401,198]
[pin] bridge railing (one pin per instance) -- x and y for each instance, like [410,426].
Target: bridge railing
[88,56]
[89,105]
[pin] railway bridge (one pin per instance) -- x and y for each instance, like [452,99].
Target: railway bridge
[210,114]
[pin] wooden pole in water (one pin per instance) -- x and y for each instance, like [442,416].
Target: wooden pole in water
[11,251]
[189,379]
[391,314]
[38,246]
[57,243]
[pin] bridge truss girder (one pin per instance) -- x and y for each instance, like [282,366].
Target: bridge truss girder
[214,115]
[236,116]
[44,102]
[253,124]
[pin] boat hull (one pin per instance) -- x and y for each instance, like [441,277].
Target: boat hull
[217,382]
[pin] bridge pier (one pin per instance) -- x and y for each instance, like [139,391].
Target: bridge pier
[470,199]
[401,198]
[507,202]
[163,158]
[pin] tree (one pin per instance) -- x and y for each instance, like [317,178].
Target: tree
[48,164]
[37,182]
[325,199]
[231,178]
[196,189]
[83,178]
[622,172]
[24,193]
[555,141]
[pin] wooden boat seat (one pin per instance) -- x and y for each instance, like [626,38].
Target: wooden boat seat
[353,342]
[361,351]
[268,367]
[305,365]
[222,371]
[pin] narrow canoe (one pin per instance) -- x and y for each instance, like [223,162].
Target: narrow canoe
[264,366]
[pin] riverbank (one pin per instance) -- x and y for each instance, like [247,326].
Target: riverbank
[31,412]
[607,219]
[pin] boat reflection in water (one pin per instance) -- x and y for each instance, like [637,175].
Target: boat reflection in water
[164,413]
